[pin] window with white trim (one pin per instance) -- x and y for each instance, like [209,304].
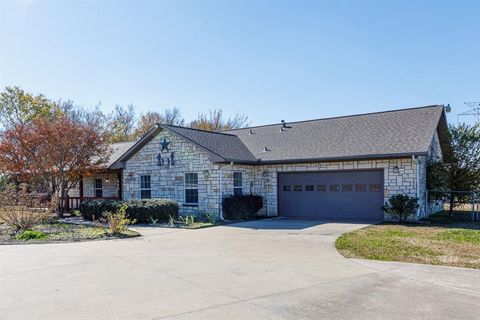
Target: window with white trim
[237,183]
[191,188]
[145,187]
[98,188]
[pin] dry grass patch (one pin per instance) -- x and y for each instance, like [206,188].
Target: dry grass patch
[452,245]
[61,232]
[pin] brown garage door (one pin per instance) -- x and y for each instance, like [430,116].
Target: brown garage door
[332,195]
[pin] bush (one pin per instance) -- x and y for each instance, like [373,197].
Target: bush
[118,221]
[20,211]
[142,211]
[401,205]
[241,207]
[30,235]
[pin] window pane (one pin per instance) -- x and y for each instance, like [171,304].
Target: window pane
[375,187]
[98,184]
[334,187]
[237,179]
[237,191]
[309,187]
[361,187]
[286,188]
[191,196]
[191,180]
[145,182]
[347,188]
[321,187]
[297,188]
[98,193]
[146,194]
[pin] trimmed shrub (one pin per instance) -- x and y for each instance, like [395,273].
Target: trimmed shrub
[241,207]
[142,211]
[401,205]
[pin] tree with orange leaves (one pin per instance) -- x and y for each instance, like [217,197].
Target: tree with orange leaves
[51,154]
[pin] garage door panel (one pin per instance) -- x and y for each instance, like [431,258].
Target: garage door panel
[339,194]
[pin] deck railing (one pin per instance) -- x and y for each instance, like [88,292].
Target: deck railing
[72,203]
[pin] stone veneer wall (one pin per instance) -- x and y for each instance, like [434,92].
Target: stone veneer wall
[405,181]
[168,182]
[110,185]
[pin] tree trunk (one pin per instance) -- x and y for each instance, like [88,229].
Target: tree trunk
[452,201]
[64,198]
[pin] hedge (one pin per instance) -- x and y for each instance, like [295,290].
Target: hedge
[241,207]
[143,211]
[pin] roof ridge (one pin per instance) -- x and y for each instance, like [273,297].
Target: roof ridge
[336,117]
[195,129]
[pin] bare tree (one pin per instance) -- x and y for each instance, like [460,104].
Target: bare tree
[121,124]
[93,118]
[172,117]
[215,121]
[151,118]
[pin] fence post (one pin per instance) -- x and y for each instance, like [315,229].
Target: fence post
[426,203]
[476,208]
[473,206]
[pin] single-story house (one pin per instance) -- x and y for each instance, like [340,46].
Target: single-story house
[334,168]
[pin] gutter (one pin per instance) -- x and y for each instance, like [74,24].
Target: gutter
[220,209]
[415,158]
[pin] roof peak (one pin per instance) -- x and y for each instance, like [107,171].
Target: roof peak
[195,129]
[336,117]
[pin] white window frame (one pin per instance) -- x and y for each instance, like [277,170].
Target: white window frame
[146,189]
[189,188]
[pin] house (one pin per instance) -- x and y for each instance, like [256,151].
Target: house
[342,167]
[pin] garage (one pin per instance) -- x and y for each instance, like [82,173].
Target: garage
[356,195]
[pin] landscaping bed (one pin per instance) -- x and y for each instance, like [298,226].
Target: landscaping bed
[180,225]
[438,241]
[61,232]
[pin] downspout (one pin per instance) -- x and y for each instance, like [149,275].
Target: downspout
[415,158]
[220,209]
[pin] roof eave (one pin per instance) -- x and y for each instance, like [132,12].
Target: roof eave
[345,158]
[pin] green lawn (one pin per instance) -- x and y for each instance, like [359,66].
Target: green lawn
[443,241]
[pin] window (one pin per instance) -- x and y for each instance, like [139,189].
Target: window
[321,187]
[309,187]
[98,188]
[360,187]
[347,188]
[237,183]
[191,188]
[145,187]
[286,188]
[334,187]
[374,187]
[297,188]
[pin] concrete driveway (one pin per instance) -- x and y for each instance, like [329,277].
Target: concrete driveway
[269,269]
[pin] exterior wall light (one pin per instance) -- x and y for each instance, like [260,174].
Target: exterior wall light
[206,174]
[396,169]
[107,180]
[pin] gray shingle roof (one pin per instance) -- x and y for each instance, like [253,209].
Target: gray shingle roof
[118,149]
[382,134]
[385,134]
[227,147]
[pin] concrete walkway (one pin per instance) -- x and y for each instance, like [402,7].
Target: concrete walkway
[269,269]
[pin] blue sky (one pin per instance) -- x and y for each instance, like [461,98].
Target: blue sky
[270,60]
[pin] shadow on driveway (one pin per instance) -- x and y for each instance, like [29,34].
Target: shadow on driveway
[291,224]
